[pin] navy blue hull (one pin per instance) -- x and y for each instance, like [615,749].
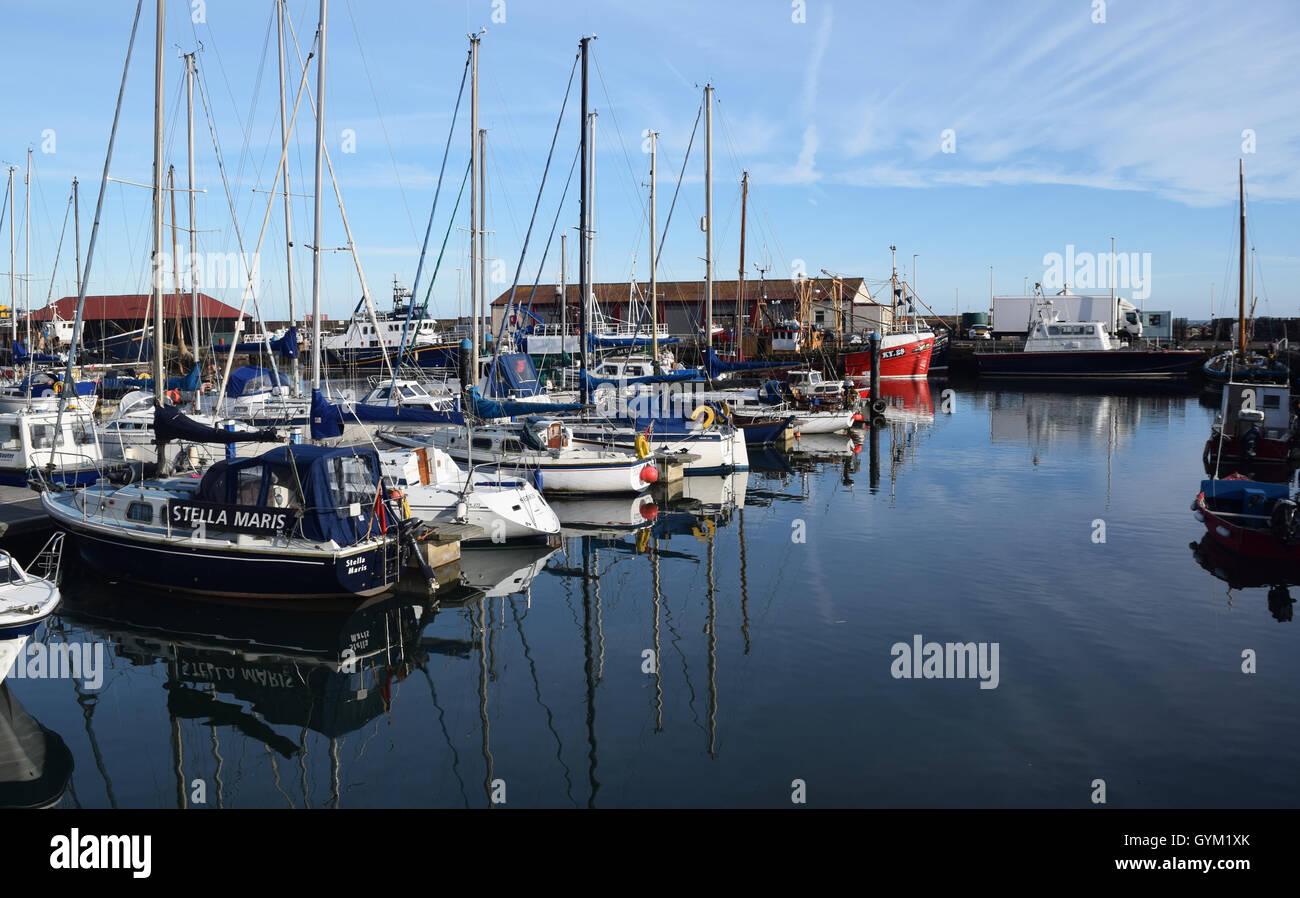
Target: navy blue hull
[763,434]
[1090,363]
[229,572]
[424,356]
[25,629]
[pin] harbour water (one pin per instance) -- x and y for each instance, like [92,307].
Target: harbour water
[741,651]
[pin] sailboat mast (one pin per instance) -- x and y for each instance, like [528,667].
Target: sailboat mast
[583,230]
[13,266]
[1241,287]
[76,232]
[288,220]
[654,256]
[708,215]
[481,309]
[26,264]
[195,335]
[156,285]
[563,295]
[176,253]
[474,163]
[316,199]
[740,282]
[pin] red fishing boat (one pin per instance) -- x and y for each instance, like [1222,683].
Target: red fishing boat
[1254,433]
[904,350]
[1250,518]
[903,356]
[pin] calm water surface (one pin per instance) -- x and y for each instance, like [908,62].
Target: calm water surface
[741,642]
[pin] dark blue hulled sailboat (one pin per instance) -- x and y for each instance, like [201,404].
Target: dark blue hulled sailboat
[294,523]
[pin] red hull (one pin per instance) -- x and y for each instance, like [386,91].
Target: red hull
[902,357]
[1272,457]
[1243,541]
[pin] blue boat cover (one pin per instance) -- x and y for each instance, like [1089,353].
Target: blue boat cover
[336,488]
[513,373]
[326,417]
[249,379]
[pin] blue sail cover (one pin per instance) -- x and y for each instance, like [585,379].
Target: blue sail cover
[170,423]
[248,380]
[285,347]
[626,342]
[394,414]
[21,355]
[492,408]
[339,487]
[326,418]
[716,366]
[668,377]
[189,383]
[42,385]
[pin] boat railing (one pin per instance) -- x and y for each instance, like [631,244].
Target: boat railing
[49,562]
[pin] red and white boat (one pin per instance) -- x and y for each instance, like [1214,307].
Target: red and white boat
[904,355]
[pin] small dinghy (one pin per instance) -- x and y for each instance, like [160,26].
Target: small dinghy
[29,597]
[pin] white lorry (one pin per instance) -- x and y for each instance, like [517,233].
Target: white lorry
[1012,314]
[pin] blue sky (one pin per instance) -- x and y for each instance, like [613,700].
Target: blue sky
[1066,132]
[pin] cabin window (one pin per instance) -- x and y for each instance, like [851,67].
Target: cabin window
[409,392]
[1091,329]
[10,437]
[482,443]
[44,436]
[352,482]
[512,446]
[248,485]
[9,574]
[1272,401]
[383,393]
[1054,331]
[83,434]
[140,512]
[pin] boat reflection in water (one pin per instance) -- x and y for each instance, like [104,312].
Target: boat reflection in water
[606,514]
[1045,417]
[35,764]
[262,671]
[1250,573]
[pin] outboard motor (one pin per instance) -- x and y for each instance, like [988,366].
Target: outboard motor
[1250,442]
[1283,523]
